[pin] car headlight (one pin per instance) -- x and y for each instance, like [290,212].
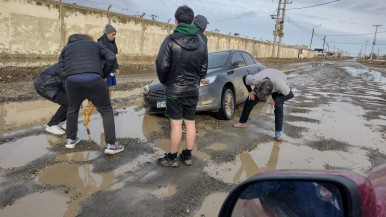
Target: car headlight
[209,80]
[146,89]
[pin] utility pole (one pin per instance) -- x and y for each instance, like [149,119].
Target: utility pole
[276,29]
[312,36]
[375,35]
[280,32]
[324,41]
[364,55]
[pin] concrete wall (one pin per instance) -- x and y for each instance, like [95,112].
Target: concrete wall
[40,28]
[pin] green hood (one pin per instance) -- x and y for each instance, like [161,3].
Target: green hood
[186,29]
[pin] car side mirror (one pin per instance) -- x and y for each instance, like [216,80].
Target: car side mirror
[237,64]
[321,195]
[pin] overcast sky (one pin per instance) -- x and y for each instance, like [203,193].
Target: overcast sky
[251,18]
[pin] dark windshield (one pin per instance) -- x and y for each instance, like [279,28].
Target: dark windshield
[218,59]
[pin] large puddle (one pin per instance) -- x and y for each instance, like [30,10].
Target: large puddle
[368,74]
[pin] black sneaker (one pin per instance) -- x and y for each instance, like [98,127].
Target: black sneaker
[167,161]
[186,159]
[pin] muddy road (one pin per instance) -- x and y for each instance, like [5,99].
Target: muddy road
[337,120]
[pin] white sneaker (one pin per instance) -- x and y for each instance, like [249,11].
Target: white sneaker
[114,148]
[64,126]
[55,129]
[72,143]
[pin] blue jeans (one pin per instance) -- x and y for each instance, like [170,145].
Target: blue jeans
[279,114]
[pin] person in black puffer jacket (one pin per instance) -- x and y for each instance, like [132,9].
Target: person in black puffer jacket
[49,85]
[182,63]
[81,68]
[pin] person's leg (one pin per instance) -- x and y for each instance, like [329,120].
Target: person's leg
[175,136]
[279,117]
[61,113]
[248,106]
[98,95]
[174,112]
[190,133]
[75,98]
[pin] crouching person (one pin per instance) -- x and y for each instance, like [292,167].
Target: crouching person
[49,85]
[269,82]
[81,69]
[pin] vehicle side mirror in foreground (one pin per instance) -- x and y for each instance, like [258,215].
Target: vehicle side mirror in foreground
[291,193]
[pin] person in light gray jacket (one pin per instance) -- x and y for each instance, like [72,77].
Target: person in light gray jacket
[268,82]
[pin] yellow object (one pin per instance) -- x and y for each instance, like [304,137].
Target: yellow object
[87,116]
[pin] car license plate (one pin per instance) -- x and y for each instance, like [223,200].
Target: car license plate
[161,103]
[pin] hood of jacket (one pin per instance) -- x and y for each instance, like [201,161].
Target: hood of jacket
[201,22]
[190,42]
[75,37]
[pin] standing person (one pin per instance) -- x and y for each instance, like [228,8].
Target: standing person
[49,85]
[268,82]
[108,40]
[201,22]
[80,65]
[181,64]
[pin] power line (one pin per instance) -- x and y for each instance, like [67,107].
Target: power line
[314,5]
[352,34]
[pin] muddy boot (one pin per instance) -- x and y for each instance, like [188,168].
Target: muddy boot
[186,157]
[169,160]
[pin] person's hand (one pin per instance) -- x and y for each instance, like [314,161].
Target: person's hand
[271,102]
[203,81]
[117,71]
[252,95]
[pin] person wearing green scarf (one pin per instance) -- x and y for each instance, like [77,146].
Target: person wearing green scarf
[182,63]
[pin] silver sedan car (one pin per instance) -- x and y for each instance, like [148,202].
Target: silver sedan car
[224,89]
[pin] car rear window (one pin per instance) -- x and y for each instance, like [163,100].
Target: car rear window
[218,59]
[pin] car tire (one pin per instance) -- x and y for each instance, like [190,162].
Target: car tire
[228,104]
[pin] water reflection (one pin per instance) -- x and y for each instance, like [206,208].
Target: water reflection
[249,166]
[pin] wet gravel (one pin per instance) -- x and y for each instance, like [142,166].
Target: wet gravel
[316,84]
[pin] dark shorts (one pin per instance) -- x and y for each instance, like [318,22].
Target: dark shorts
[110,80]
[181,108]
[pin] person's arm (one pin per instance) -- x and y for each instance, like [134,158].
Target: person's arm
[249,88]
[109,60]
[163,61]
[204,67]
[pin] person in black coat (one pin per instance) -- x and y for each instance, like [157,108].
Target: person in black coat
[182,63]
[49,85]
[108,40]
[201,22]
[81,68]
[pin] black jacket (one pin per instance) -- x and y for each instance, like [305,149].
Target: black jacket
[181,62]
[48,84]
[201,22]
[111,45]
[81,55]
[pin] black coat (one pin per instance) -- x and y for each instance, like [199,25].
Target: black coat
[48,84]
[85,56]
[181,62]
[111,45]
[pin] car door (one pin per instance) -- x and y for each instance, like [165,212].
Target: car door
[252,65]
[236,70]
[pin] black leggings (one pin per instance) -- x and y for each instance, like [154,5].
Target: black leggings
[279,114]
[96,91]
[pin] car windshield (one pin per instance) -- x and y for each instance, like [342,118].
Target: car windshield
[217,59]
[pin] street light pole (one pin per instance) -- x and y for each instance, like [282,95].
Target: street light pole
[312,36]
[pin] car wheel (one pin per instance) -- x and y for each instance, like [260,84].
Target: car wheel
[227,104]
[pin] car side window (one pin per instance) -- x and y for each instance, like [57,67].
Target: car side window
[237,58]
[248,59]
